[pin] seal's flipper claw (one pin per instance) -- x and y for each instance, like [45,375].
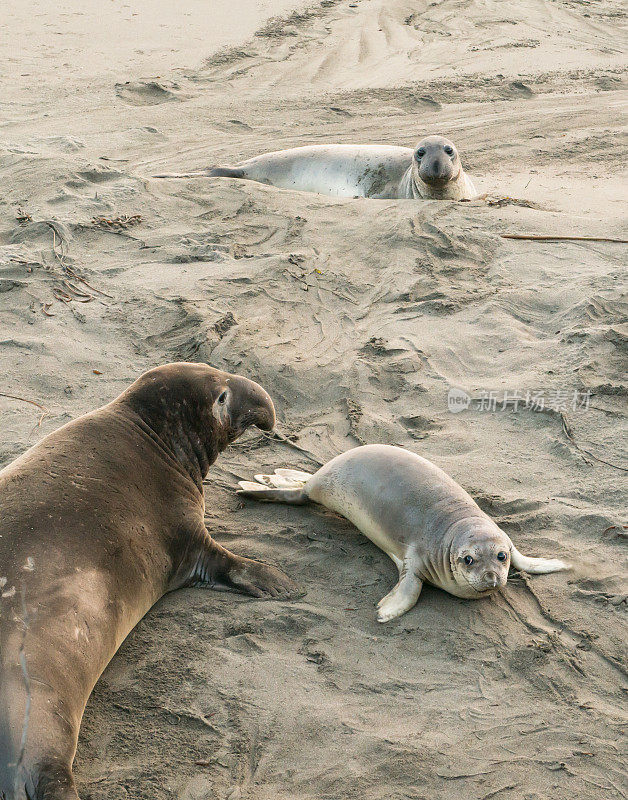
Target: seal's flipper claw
[263,581]
[536,566]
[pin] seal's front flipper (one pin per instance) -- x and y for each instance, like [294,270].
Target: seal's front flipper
[218,568]
[403,597]
[536,566]
[262,580]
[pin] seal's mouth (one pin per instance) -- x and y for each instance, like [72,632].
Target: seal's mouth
[484,590]
[437,177]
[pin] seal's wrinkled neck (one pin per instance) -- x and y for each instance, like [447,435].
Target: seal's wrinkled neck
[194,411]
[176,411]
[189,435]
[195,440]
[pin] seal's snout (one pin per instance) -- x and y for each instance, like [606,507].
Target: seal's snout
[263,408]
[490,579]
[436,170]
[251,405]
[265,416]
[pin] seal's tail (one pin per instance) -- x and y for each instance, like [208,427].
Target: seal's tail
[285,486]
[212,172]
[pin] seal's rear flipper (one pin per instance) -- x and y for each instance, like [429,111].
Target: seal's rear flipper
[203,174]
[536,566]
[294,474]
[212,172]
[261,492]
[225,172]
[285,486]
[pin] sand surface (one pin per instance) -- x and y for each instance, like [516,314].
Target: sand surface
[357,316]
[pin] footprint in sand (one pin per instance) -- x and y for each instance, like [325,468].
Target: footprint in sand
[516,90]
[98,174]
[149,93]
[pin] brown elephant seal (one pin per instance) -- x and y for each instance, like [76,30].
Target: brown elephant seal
[432,170]
[428,525]
[97,522]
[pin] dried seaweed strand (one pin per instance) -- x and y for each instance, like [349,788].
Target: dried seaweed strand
[60,256]
[539,238]
[568,431]
[43,409]
[276,435]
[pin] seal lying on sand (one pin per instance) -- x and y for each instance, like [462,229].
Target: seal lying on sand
[97,522]
[430,527]
[432,171]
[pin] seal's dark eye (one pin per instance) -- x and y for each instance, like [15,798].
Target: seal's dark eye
[449,150]
[501,556]
[420,153]
[468,561]
[222,398]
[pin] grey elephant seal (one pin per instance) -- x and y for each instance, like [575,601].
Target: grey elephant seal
[97,522]
[432,171]
[412,510]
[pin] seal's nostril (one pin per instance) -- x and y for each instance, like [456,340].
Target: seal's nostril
[490,578]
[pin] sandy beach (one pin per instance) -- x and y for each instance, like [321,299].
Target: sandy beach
[357,316]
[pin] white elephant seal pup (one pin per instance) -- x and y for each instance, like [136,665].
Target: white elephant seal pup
[428,525]
[432,170]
